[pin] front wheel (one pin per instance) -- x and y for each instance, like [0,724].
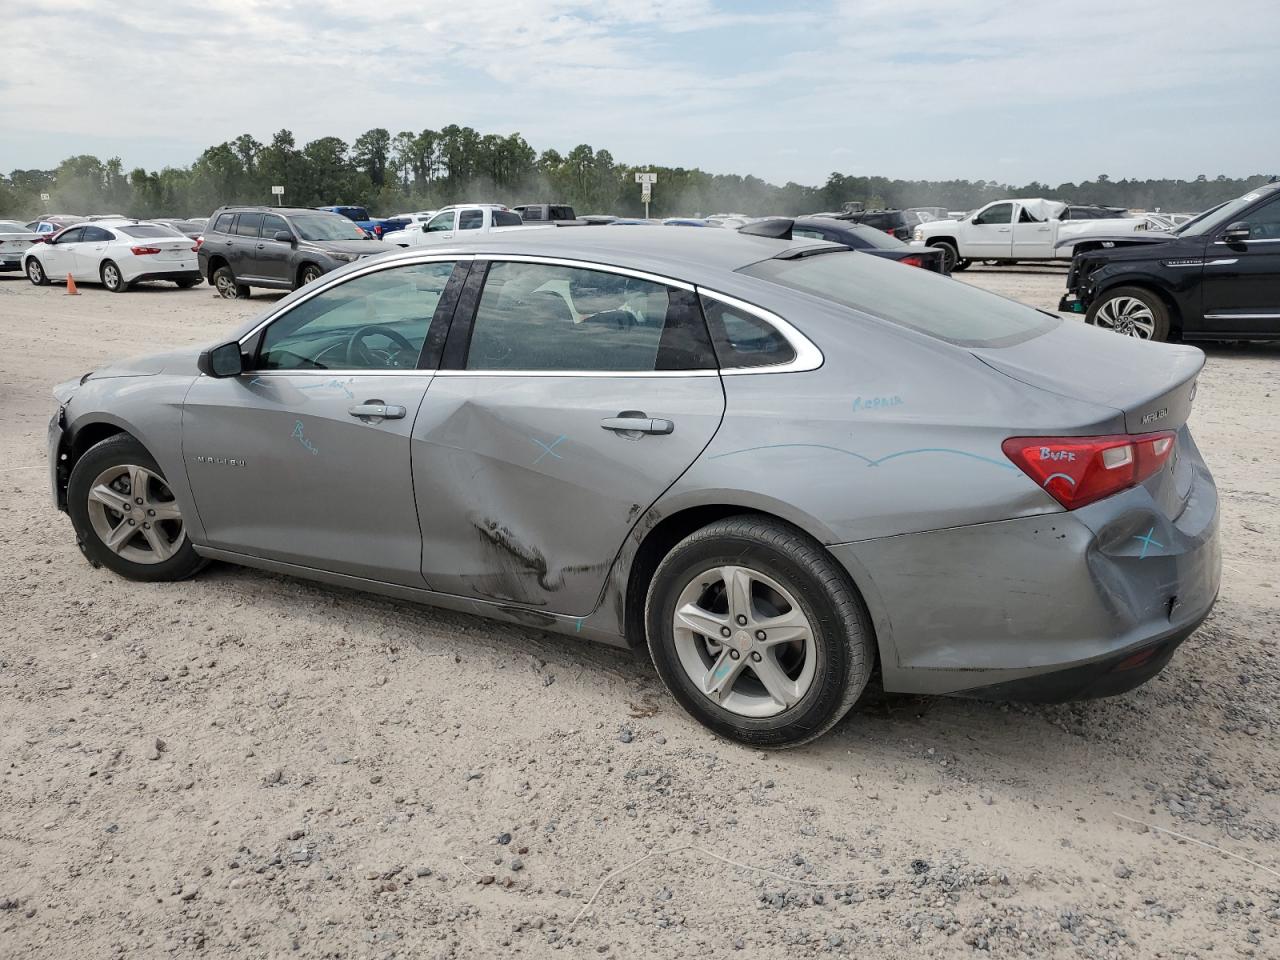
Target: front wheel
[1132,311]
[962,265]
[112,278]
[125,515]
[309,274]
[950,257]
[758,632]
[35,272]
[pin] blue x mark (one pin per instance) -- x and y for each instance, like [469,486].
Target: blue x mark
[1148,541]
[548,448]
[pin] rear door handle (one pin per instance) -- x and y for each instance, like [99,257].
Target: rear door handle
[637,425]
[377,409]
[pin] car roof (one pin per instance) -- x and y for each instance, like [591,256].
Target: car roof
[691,255]
[249,208]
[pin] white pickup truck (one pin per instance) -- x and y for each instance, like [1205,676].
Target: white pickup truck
[461,221]
[1010,230]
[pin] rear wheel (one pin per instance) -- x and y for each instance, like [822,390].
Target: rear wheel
[758,632]
[961,265]
[125,515]
[35,272]
[1132,311]
[224,281]
[112,278]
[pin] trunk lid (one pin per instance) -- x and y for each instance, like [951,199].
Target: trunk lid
[1151,384]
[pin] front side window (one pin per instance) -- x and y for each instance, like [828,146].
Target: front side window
[534,316]
[744,340]
[470,219]
[1000,213]
[247,225]
[442,222]
[272,224]
[1264,223]
[74,235]
[377,321]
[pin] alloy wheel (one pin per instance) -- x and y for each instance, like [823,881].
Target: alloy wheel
[135,515]
[111,276]
[1127,315]
[226,285]
[744,641]
[35,273]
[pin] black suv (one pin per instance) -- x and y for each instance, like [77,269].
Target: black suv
[893,222]
[1216,277]
[278,247]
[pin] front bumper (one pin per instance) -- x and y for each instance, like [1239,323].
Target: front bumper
[1070,303]
[57,466]
[1057,606]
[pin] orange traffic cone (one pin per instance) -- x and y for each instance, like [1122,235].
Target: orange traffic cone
[71,287]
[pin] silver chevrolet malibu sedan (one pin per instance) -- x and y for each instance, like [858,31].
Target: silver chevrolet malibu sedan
[777,463]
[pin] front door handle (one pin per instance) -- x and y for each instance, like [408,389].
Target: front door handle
[377,409]
[637,425]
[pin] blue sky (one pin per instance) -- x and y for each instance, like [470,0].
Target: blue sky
[1008,90]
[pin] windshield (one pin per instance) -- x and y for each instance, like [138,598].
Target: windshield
[923,301]
[1222,213]
[326,227]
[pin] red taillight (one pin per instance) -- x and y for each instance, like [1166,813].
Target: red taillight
[199,244]
[377,230]
[912,261]
[143,251]
[1079,470]
[889,231]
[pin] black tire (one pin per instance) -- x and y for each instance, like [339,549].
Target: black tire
[35,272]
[950,256]
[225,282]
[309,273]
[843,636]
[115,451]
[186,284]
[1153,303]
[961,265]
[112,278]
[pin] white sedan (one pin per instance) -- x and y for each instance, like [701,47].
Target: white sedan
[116,253]
[14,239]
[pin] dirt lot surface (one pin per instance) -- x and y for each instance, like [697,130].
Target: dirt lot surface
[255,766]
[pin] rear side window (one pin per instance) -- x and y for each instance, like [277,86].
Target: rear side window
[471,219]
[248,224]
[561,213]
[531,213]
[918,299]
[223,224]
[97,235]
[744,340]
[504,218]
[535,316]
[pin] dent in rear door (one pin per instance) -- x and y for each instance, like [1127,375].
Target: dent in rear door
[525,494]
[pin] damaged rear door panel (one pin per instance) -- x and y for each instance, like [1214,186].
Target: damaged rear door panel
[528,473]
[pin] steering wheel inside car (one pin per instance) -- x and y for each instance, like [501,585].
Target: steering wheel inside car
[361,355]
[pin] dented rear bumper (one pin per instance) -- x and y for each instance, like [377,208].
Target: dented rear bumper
[1090,602]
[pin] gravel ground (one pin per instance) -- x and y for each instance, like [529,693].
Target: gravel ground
[250,765]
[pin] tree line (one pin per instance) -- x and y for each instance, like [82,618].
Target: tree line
[419,171]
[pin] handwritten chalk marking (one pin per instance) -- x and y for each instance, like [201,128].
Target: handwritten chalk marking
[1148,541]
[1070,480]
[868,460]
[299,436]
[548,448]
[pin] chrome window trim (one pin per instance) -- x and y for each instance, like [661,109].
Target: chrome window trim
[1233,243]
[808,356]
[1242,316]
[322,284]
[586,265]
[598,374]
[327,374]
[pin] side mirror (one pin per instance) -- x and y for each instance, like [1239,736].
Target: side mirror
[223,360]
[284,236]
[424,228]
[1237,232]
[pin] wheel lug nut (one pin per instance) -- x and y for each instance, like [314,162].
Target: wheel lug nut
[725,631]
[128,506]
[146,526]
[138,501]
[742,621]
[734,654]
[760,635]
[755,656]
[152,513]
[131,522]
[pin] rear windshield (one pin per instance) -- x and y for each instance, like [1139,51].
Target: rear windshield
[142,230]
[874,238]
[326,226]
[927,302]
